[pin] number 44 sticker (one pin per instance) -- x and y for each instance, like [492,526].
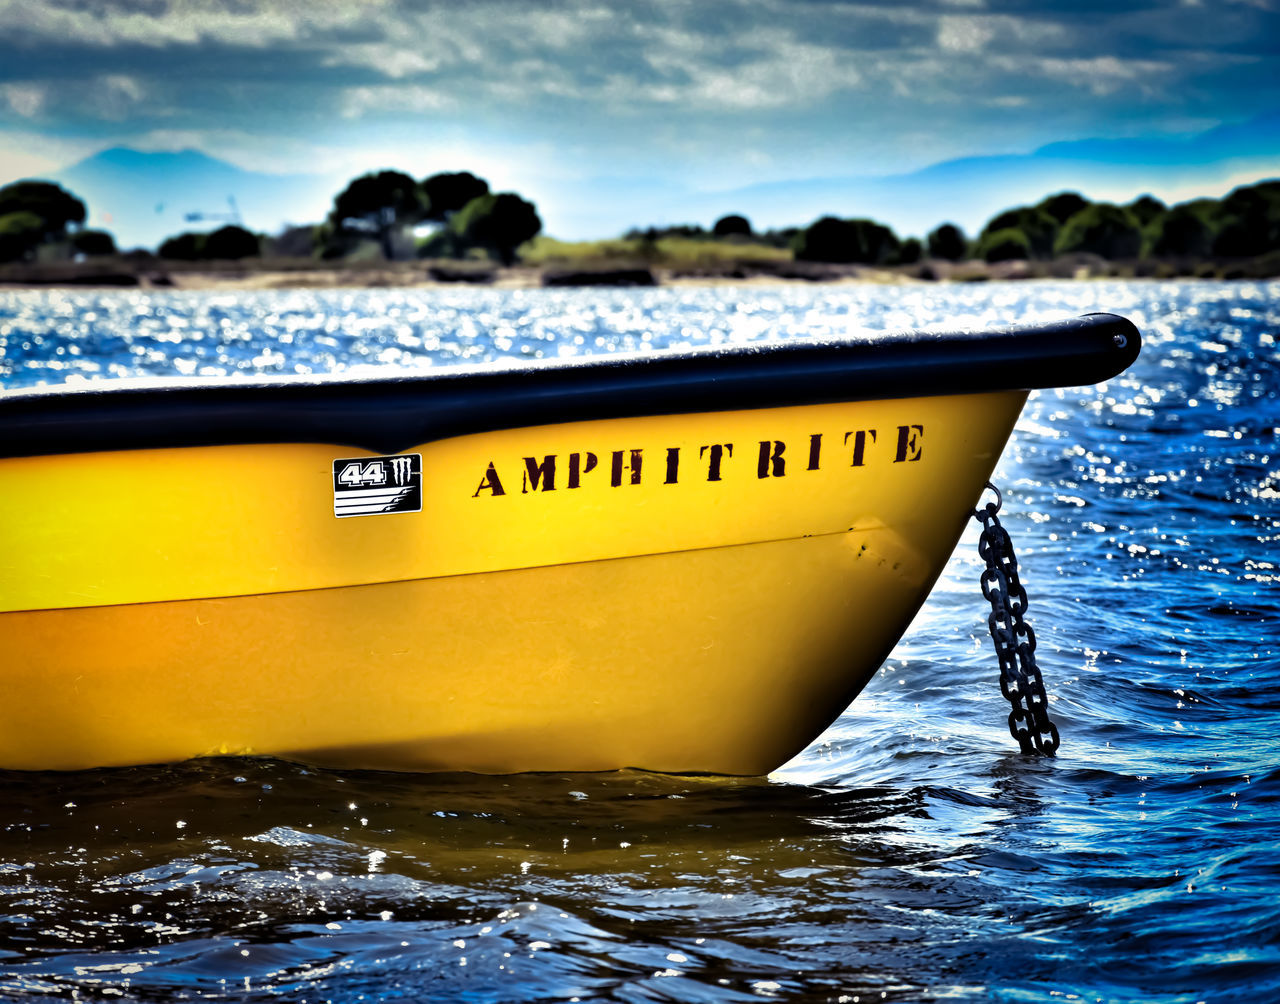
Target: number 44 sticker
[375,486]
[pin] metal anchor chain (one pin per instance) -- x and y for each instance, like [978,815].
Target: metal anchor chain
[1020,679]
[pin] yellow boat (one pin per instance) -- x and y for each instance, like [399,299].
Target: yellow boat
[678,562]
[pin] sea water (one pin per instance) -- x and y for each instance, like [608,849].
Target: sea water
[911,853]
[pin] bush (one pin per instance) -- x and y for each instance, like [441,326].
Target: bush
[1007,244]
[231,243]
[1064,205]
[446,193]
[94,243]
[20,233]
[498,224]
[183,247]
[911,251]
[732,226]
[51,204]
[1038,228]
[1146,208]
[1181,232]
[948,242]
[1101,228]
[846,242]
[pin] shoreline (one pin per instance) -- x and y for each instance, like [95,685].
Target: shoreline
[157,275]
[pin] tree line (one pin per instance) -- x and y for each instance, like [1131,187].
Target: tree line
[447,215]
[1244,224]
[390,215]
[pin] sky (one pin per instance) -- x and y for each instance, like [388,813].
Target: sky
[619,101]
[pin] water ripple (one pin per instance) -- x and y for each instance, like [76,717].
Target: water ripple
[910,854]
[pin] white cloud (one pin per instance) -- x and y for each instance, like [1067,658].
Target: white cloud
[254,23]
[965,34]
[110,96]
[758,69]
[27,100]
[359,101]
[115,95]
[1102,75]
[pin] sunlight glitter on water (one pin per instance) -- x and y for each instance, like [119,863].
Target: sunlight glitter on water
[910,854]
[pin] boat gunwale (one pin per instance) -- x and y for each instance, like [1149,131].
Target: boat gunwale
[389,414]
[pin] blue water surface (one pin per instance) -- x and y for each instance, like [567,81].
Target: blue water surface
[911,854]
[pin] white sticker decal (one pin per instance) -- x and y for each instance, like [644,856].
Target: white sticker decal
[375,486]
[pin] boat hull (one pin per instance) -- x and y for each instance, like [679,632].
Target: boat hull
[702,615]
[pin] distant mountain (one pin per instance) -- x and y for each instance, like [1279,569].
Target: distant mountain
[969,191]
[144,197]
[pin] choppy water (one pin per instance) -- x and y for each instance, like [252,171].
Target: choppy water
[911,854]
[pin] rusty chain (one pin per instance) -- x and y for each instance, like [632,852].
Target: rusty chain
[1020,679]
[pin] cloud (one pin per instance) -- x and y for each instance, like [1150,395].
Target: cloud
[26,100]
[253,23]
[669,80]
[358,101]
[965,34]
[759,69]
[109,96]
[1102,75]
[115,95]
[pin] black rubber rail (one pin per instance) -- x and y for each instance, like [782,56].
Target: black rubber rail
[390,414]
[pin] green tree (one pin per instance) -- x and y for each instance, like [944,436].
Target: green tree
[381,204]
[948,242]
[1248,221]
[183,247]
[1183,232]
[1007,244]
[1146,208]
[94,243]
[1037,226]
[496,223]
[910,251]
[1063,206]
[446,193]
[1101,228]
[20,234]
[860,241]
[231,243]
[732,226]
[55,207]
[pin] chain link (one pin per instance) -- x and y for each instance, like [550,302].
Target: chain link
[1020,679]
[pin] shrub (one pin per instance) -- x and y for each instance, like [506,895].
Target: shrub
[732,226]
[1037,226]
[94,243]
[183,247]
[911,251]
[498,224]
[948,242]
[1064,205]
[446,193]
[231,243]
[1146,208]
[1101,228]
[846,241]
[20,232]
[1181,232]
[1007,244]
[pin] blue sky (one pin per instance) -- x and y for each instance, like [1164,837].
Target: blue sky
[622,101]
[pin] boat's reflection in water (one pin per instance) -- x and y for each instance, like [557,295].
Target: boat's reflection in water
[208,874]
